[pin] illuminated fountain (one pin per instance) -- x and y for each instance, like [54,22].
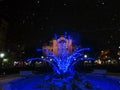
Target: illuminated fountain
[62,55]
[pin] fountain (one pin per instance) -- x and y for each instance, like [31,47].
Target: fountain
[63,55]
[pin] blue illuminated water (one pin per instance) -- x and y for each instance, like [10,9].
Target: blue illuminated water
[43,82]
[63,62]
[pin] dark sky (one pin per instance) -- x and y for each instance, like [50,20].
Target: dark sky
[35,21]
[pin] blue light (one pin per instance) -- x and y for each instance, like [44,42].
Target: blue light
[38,49]
[63,62]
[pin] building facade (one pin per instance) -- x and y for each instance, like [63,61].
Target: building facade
[59,46]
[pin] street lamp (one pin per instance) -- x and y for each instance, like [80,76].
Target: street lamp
[2,55]
[119,47]
[85,56]
[119,58]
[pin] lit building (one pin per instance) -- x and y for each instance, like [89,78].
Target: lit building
[105,58]
[62,44]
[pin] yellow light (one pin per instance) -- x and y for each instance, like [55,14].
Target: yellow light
[99,62]
[5,60]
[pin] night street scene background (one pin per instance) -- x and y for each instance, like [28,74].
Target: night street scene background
[26,26]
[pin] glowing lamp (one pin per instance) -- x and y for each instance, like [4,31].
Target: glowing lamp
[85,56]
[2,55]
[5,60]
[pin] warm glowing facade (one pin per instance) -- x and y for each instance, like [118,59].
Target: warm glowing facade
[60,45]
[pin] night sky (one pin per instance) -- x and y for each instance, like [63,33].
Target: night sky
[35,21]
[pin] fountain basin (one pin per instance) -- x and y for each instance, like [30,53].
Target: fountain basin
[49,82]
